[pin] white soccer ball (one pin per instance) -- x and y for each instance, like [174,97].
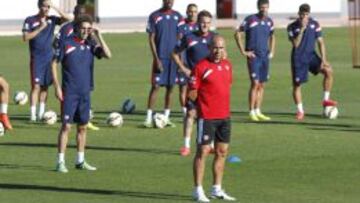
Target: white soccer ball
[160,120]
[20,98]
[331,112]
[2,129]
[50,117]
[115,119]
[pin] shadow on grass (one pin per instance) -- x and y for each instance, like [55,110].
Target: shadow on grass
[17,166]
[122,149]
[144,195]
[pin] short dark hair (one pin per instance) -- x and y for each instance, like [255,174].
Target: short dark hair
[78,8]
[81,19]
[40,3]
[261,2]
[191,5]
[204,13]
[304,8]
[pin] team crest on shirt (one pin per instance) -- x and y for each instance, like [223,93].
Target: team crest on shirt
[312,26]
[35,24]
[219,68]
[262,23]
[82,47]
[204,41]
[269,24]
[176,18]
[168,17]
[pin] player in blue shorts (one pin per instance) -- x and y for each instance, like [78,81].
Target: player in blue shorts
[259,49]
[196,45]
[163,28]
[190,25]
[66,31]
[76,54]
[39,31]
[304,33]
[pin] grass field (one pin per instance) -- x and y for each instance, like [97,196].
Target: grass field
[283,161]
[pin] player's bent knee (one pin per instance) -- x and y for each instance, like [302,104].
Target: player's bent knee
[222,152]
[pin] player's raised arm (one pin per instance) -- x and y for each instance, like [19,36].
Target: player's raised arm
[106,50]
[64,16]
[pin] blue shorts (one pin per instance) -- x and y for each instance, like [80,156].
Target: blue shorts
[40,71]
[300,68]
[259,68]
[76,108]
[182,79]
[168,76]
[190,105]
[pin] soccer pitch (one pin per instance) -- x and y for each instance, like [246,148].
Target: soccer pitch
[283,161]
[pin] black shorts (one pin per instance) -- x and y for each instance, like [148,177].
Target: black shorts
[217,130]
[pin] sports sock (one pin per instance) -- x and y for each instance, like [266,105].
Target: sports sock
[326,95]
[33,112]
[41,109]
[80,158]
[216,187]
[167,113]
[252,112]
[257,111]
[187,142]
[199,189]
[148,115]
[184,110]
[3,108]
[61,158]
[300,107]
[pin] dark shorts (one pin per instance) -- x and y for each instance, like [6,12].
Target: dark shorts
[259,68]
[76,108]
[301,67]
[190,105]
[168,76]
[182,79]
[217,130]
[40,71]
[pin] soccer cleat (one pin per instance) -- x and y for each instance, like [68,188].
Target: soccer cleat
[253,117]
[185,151]
[200,196]
[221,194]
[85,166]
[148,124]
[91,126]
[170,124]
[60,167]
[5,121]
[300,116]
[329,102]
[32,119]
[262,117]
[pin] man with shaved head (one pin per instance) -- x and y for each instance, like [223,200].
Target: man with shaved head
[210,87]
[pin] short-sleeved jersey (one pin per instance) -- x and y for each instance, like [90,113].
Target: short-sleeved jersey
[310,35]
[77,58]
[166,27]
[212,82]
[189,27]
[41,45]
[196,45]
[258,31]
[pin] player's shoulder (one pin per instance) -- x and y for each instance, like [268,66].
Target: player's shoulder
[293,24]
[250,17]
[313,21]
[31,18]
[155,13]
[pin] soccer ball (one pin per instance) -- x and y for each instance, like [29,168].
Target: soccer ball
[2,129]
[115,119]
[331,112]
[160,120]
[50,117]
[20,97]
[128,106]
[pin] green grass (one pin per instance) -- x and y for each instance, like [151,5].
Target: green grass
[283,161]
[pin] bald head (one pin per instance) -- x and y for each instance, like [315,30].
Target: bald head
[217,48]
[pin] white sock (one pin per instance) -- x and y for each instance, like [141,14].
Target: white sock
[326,95]
[252,112]
[257,111]
[300,107]
[184,110]
[187,142]
[80,158]
[33,112]
[41,109]
[149,115]
[199,189]
[212,145]
[61,157]
[3,108]
[167,113]
[216,187]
